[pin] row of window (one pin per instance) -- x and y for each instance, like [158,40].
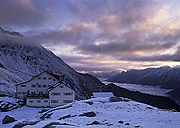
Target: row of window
[58,93]
[53,94]
[52,101]
[67,93]
[39,86]
[45,78]
[38,101]
[67,101]
[22,93]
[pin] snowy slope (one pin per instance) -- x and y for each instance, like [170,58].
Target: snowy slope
[7,81]
[27,60]
[122,114]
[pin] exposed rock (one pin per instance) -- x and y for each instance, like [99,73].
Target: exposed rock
[68,116]
[24,123]
[46,116]
[94,123]
[88,114]
[8,119]
[127,124]
[50,125]
[117,99]
[121,122]
[90,103]
[137,126]
[8,106]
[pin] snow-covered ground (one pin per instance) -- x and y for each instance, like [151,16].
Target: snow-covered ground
[108,114]
[23,113]
[155,90]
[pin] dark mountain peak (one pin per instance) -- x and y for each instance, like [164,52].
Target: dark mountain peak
[10,33]
[165,77]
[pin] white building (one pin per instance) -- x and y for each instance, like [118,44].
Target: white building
[44,90]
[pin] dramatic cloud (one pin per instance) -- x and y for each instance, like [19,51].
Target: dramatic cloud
[132,29]
[20,13]
[74,34]
[164,57]
[15,38]
[103,35]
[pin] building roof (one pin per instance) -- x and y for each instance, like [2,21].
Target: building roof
[55,76]
[57,84]
[103,94]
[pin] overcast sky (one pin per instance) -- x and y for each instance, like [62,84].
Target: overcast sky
[100,35]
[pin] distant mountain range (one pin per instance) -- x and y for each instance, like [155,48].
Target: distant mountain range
[21,61]
[166,77]
[105,74]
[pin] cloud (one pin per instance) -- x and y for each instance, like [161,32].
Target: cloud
[19,13]
[131,29]
[15,38]
[73,34]
[164,57]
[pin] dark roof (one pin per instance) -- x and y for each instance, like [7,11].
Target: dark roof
[55,76]
[55,85]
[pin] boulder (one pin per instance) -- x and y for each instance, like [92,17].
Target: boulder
[8,119]
[88,114]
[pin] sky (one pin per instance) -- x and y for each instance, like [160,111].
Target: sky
[100,35]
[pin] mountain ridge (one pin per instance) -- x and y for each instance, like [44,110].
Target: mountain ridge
[26,61]
[166,77]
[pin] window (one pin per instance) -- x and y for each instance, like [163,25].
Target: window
[33,86]
[23,85]
[38,101]
[67,93]
[54,101]
[39,78]
[44,78]
[31,101]
[44,86]
[45,101]
[20,92]
[40,92]
[56,94]
[61,86]
[67,101]
[50,78]
[39,86]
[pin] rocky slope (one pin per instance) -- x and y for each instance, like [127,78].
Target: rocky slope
[21,61]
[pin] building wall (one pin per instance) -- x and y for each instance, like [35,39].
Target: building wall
[58,96]
[37,102]
[40,84]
